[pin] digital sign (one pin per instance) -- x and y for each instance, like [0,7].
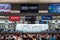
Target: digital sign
[24,8]
[46,18]
[14,18]
[54,8]
[30,18]
[29,8]
[5,8]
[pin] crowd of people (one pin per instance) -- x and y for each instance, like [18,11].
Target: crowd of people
[30,37]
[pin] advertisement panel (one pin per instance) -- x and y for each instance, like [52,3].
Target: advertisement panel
[46,18]
[5,8]
[14,18]
[31,28]
[29,8]
[54,8]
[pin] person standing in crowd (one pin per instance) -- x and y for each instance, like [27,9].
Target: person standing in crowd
[47,37]
[4,37]
[24,37]
[15,37]
[29,38]
[58,37]
[7,37]
[11,38]
[1,37]
[53,37]
[19,37]
[34,38]
[39,37]
[43,37]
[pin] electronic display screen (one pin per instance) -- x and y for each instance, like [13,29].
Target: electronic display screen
[14,18]
[30,18]
[46,18]
[5,7]
[29,8]
[24,8]
[54,8]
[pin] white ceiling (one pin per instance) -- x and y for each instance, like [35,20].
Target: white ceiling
[31,1]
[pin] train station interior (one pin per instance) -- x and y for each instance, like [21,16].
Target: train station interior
[30,19]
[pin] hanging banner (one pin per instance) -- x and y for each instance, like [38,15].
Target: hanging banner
[31,28]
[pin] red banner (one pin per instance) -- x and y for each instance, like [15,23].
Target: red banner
[14,18]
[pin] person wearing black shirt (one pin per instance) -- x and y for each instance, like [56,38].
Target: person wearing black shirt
[25,37]
[58,37]
[43,38]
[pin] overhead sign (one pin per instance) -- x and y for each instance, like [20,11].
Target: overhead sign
[29,8]
[30,18]
[46,17]
[14,18]
[54,8]
[5,7]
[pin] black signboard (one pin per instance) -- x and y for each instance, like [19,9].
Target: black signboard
[42,22]
[30,18]
[29,8]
